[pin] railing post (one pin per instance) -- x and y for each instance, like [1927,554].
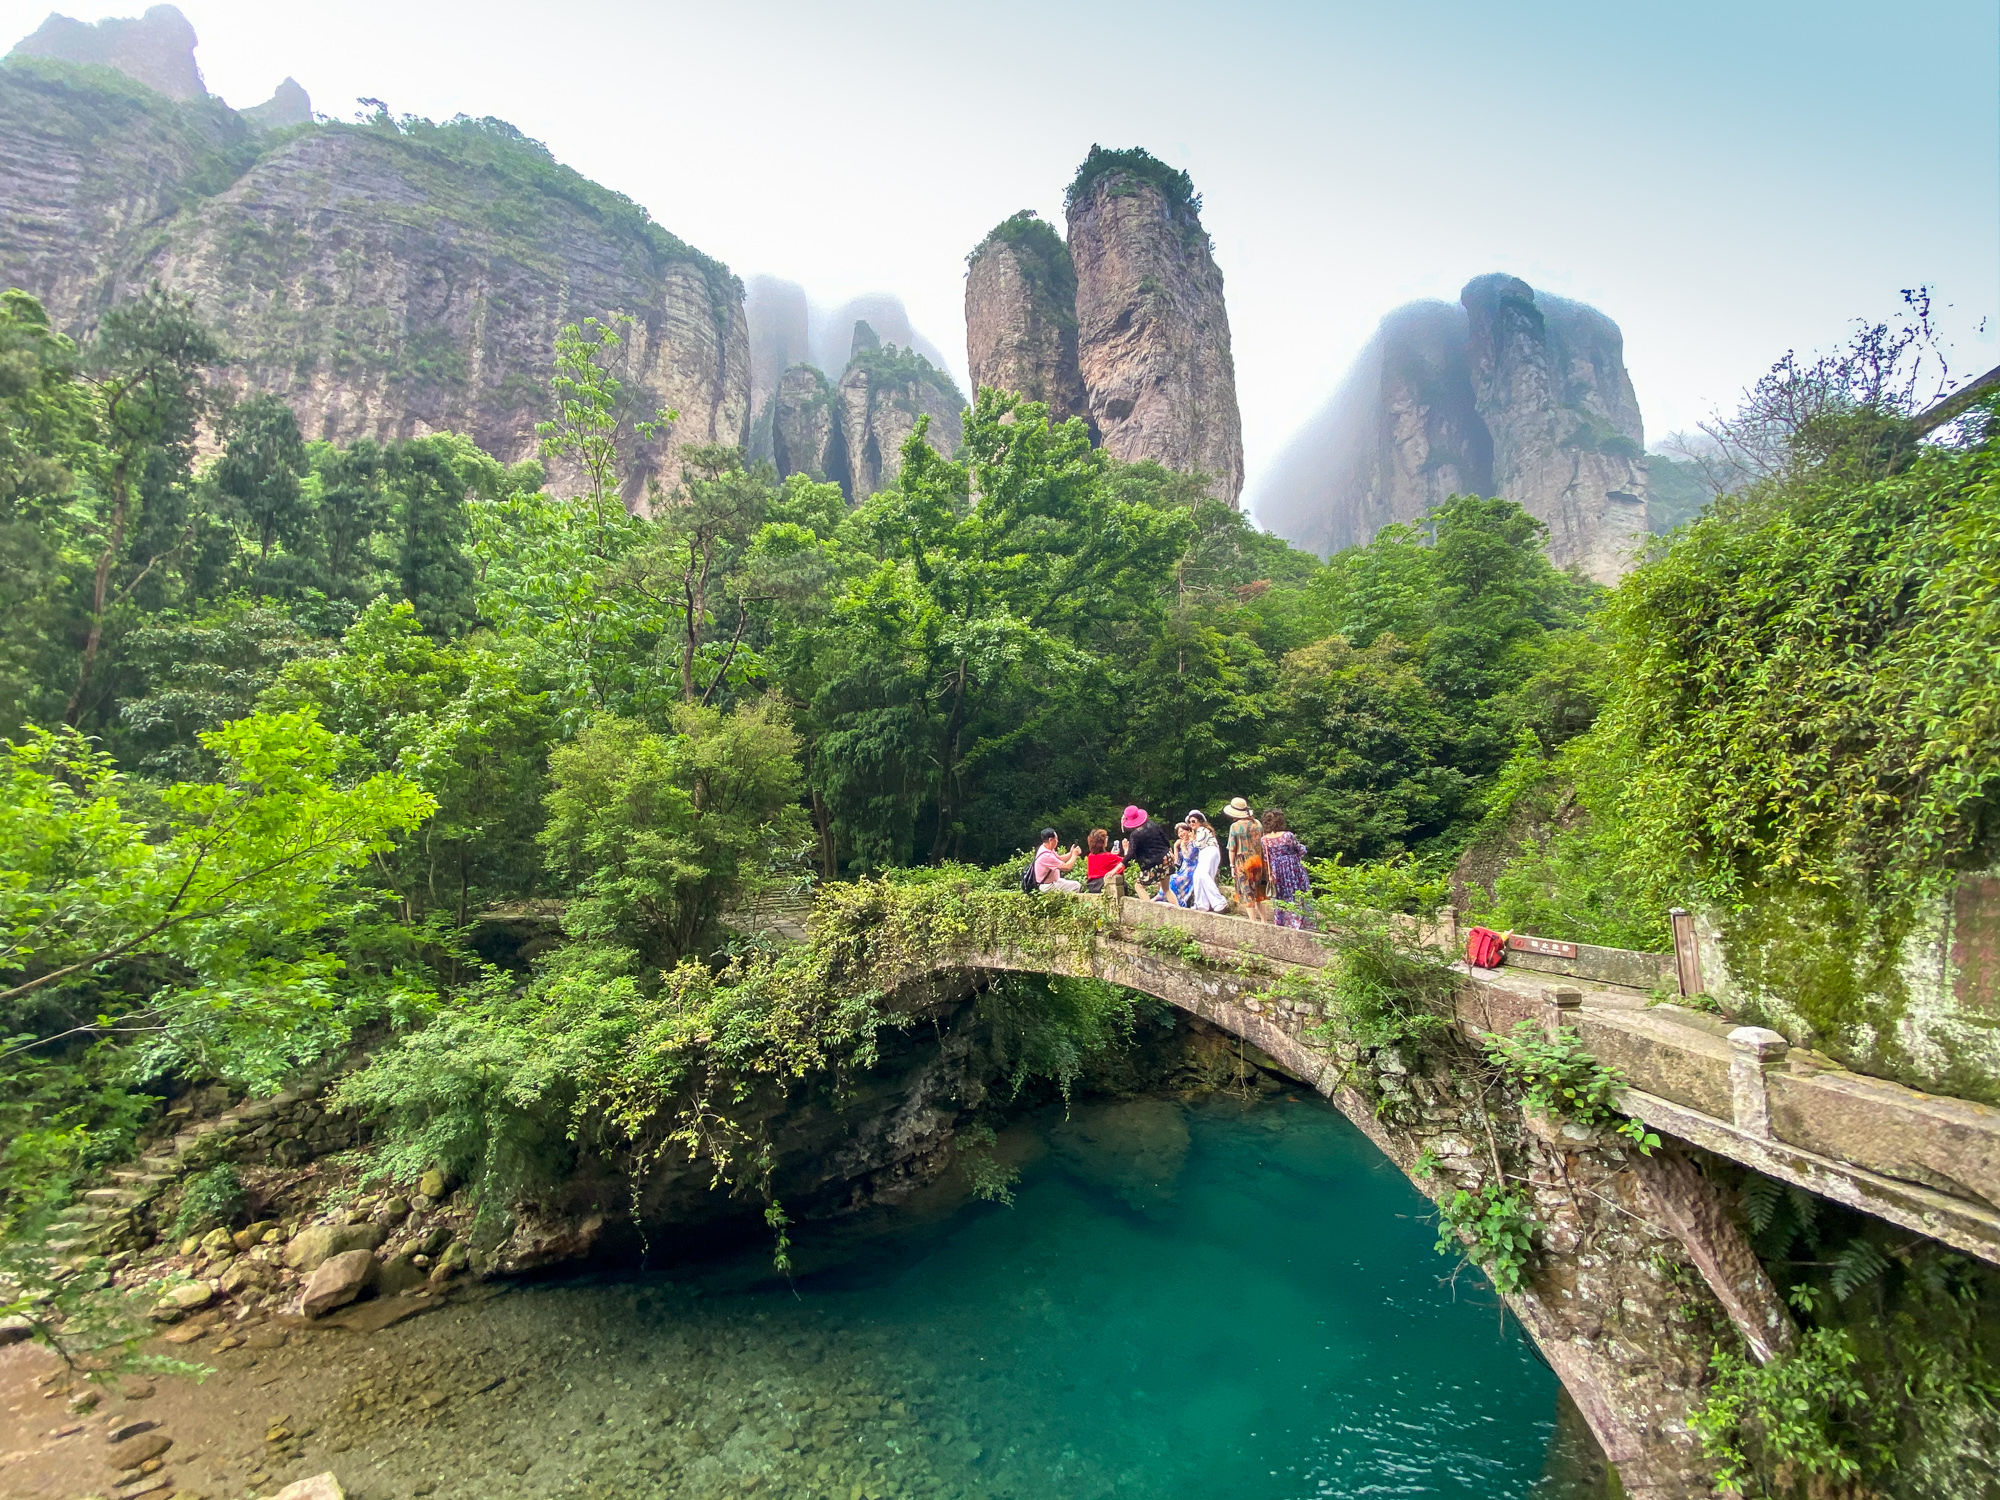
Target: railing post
[1753,1050]
[1560,1003]
[1687,952]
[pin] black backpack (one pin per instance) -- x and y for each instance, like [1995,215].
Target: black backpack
[1028,882]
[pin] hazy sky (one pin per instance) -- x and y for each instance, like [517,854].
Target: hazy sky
[1725,180]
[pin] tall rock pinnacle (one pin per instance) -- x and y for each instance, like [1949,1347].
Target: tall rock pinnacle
[1152,332]
[1508,392]
[1549,379]
[1020,316]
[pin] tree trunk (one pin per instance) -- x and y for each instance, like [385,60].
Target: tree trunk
[120,509]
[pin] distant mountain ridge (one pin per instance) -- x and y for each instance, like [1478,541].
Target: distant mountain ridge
[387,279]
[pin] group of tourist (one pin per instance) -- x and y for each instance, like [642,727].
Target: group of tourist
[1266,863]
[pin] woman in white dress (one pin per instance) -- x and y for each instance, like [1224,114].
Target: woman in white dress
[1207,895]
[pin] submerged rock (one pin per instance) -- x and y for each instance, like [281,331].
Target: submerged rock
[1133,1148]
[319,1487]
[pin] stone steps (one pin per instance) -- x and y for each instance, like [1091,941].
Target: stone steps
[113,1197]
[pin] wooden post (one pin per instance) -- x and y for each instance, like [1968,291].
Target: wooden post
[1687,953]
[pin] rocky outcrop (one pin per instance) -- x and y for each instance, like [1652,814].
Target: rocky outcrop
[157,49]
[290,105]
[805,438]
[851,432]
[386,282]
[1568,443]
[337,1281]
[1020,317]
[1152,331]
[384,291]
[877,403]
[88,168]
[1511,392]
[833,330]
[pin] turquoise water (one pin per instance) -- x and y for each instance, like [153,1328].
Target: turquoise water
[1230,1299]
[1209,1300]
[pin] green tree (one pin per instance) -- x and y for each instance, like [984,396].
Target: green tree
[962,627]
[48,451]
[452,718]
[590,421]
[350,506]
[238,864]
[263,459]
[146,372]
[428,500]
[657,833]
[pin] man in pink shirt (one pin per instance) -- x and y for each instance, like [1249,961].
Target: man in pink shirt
[1051,863]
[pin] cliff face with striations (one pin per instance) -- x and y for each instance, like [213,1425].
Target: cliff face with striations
[91,166]
[1020,317]
[386,280]
[1510,392]
[1152,331]
[386,286]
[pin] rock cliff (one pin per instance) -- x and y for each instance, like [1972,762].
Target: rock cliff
[805,438]
[851,431]
[1548,377]
[1511,392]
[385,280]
[833,330]
[90,165]
[878,401]
[157,49]
[1020,317]
[1152,331]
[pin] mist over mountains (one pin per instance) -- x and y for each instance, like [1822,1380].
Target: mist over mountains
[787,327]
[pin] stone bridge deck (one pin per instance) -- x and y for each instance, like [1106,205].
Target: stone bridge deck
[1928,1163]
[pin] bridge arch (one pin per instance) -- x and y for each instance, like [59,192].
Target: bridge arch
[1619,1305]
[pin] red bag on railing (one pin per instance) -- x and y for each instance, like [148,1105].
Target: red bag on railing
[1484,948]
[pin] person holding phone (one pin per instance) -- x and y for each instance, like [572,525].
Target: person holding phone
[1051,864]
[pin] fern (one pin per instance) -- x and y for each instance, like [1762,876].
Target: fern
[1856,1264]
[1760,1201]
[1805,1213]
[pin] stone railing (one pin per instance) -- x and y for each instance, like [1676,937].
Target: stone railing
[1926,1162]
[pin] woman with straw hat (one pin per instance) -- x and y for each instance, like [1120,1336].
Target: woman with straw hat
[1247,870]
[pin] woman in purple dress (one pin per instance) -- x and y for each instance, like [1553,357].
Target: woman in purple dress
[1285,857]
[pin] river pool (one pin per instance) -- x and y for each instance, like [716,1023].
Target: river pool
[1224,1299]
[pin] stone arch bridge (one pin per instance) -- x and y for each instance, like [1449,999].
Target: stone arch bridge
[1642,1269]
